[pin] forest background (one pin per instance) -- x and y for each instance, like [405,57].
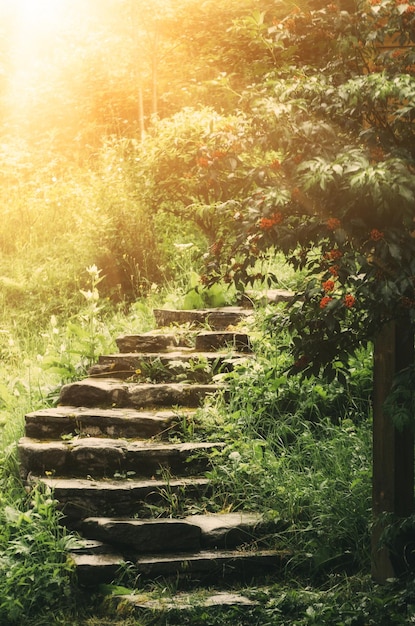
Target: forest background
[164,151]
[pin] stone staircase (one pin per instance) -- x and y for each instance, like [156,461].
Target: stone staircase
[117,455]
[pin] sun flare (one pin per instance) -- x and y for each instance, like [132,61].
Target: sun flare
[38,14]
[33,28]
[35,21]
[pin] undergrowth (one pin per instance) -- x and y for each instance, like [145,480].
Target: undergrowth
[298,451]
[36,577]
[343,601]
[35,573]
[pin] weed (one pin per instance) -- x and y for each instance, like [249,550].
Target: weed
[196,370]
[302,455]
[71,350]
[35,574]
[151,371]
[174,501]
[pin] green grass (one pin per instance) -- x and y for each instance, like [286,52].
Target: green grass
[342,601]
[297,451]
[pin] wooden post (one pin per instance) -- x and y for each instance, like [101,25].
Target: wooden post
[393,450]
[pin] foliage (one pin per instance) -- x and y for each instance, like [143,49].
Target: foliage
[127,246]
[36,576]
[300,453]
[73,349]
[339,200]
[350,601]
[343,601]
[190,164]
[59,218]
[126,55]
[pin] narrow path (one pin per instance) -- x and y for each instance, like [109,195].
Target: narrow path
[124,482]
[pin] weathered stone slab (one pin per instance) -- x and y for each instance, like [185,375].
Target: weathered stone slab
[271,296]
[279,295]
[227,530]
[212,564]
[180,458]
[147,342]
[205,566]
[81,497]
[140,395]
[107,457]
[128,423]
[220,340]
[145,536]
[163,366]
[96,569]
[185,601]
[176,535]
[217,319]
[115,393]
[224,598]
[94,392]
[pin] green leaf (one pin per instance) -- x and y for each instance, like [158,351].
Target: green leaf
[114,590]
[215,296]
[194,280]
[77,330]
[406,193]
[193,300]
[395,251]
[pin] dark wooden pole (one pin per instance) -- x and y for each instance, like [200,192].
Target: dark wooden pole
[393,450]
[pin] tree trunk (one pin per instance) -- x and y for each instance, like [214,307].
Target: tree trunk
[393,450]
[154,75]
[141,113]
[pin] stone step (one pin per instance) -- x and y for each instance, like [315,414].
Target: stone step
[209,599]
[111,392]
[276,296]
[94,422]
[205,566]
[222,340]
[95,569]
[107,457]
[154,342]
[192,533]
[216,319]
[163,366]
[211,565]
[82,497]
[143,536]
[131,494]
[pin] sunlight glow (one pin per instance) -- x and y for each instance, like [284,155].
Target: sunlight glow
[34,28]
[38,14]
[35,22]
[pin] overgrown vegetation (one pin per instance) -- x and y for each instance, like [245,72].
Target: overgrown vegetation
[299,452]
[151,146]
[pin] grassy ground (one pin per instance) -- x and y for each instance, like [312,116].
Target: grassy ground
[297,451]
[352,601]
